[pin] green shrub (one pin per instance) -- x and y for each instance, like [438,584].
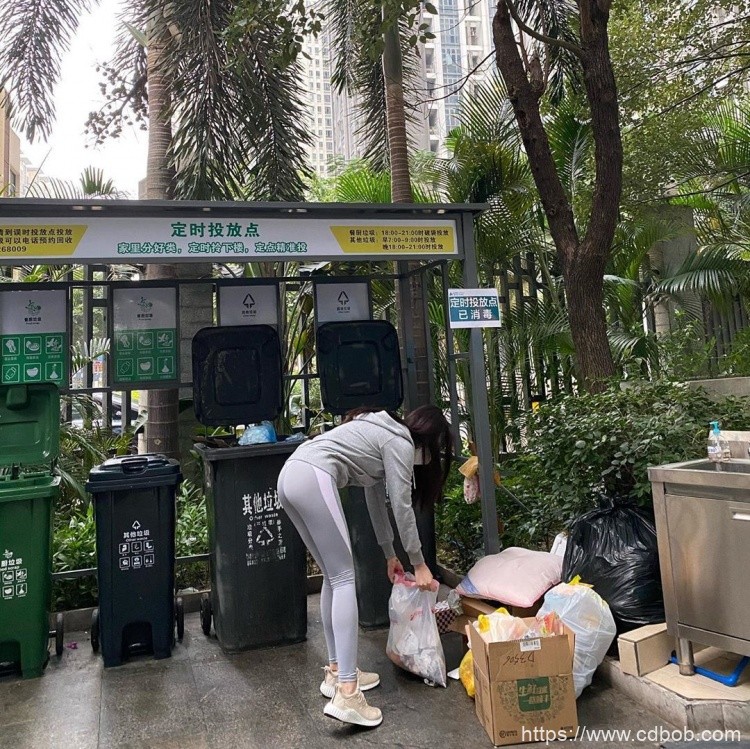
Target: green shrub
[458,528]
[578,446]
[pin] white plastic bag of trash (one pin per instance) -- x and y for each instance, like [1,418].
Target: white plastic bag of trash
[413,640]
[582,609]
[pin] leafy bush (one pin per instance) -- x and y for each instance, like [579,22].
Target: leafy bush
[458,528]
[580,446]
[737,362]
[684,353]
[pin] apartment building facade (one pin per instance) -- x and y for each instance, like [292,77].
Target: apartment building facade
[463,40]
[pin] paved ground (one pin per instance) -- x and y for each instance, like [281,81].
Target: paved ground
[203,699]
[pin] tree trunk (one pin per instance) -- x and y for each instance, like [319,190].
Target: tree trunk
[162,405]
[583,261]
[401,192]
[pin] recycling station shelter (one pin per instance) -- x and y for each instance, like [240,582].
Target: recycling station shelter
[361,360]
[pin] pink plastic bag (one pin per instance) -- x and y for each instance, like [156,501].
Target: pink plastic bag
[413,640]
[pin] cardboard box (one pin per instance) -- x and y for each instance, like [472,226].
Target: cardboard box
[524,688]
[645,649]
[473,607]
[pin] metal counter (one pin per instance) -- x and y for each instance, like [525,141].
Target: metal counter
[703,528]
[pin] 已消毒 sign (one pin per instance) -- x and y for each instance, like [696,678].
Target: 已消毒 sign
[473,308]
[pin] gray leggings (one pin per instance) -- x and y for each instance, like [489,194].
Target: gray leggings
[311,500]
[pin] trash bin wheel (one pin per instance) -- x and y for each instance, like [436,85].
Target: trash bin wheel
[179,610]
[59,635]
[206,615]
[95,630]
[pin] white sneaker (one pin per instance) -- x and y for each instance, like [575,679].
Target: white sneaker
[365,680]
[353,709]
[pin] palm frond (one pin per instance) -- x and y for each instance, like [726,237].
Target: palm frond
[571,140]
[709,272]
[35,35]
[556,19]
[356,34]
[236,106]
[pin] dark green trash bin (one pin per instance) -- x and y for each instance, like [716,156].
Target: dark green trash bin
[29,436]
[258,560]
[360,365]
[134,503]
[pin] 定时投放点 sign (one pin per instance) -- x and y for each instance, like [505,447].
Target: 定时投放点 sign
[139,239]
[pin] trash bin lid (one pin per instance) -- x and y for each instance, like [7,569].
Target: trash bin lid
[29,423]
[359,365]
[127,471]
[237,374]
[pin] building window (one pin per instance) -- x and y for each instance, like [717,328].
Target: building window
[473,60]
[429,60]
[472,35]
[433,146]
[12,184]
[432,119]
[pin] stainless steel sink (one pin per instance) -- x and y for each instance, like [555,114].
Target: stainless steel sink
[703,530]
[734,466]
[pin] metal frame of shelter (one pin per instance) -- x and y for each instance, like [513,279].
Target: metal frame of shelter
[100,231]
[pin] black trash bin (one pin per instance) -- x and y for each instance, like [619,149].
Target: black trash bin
[360,365]
[258,560]
[134,504]
[373,586]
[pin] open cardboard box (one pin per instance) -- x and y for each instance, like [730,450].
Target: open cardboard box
[473,607]
[524,688]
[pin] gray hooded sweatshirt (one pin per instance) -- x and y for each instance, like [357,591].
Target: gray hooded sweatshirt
[376,452]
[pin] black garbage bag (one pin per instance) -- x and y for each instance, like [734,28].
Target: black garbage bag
[614,549]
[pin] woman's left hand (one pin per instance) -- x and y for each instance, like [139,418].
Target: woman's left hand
[394,568]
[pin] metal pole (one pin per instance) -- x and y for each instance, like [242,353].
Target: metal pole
[479,403]
[452,370]
[406,333]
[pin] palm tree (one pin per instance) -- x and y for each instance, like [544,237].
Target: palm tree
[219,93]
[375,58]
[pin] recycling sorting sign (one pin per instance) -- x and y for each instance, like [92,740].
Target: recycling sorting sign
[33,337]
[338,302]
[249,305]
[144,337]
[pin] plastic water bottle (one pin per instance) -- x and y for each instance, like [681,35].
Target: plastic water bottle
[718,447]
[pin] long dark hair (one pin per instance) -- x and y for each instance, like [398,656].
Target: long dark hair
[431,431]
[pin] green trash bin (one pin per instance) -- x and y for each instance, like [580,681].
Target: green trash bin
[30,436]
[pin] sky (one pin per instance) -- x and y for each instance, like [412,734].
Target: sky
[65,154]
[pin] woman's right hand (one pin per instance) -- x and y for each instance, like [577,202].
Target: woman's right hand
[423,577]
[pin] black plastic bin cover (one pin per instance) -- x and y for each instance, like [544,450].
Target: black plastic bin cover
[237,374]
[134,472]
[360,365]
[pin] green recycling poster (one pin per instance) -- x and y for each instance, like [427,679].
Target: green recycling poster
[33,337]
[144,337]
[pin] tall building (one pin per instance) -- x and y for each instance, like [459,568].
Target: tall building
[463,39]
[10,151]
[317,101]
[462,44]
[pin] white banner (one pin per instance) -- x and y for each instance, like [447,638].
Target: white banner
[144,309]
[33,312]
[137,240]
